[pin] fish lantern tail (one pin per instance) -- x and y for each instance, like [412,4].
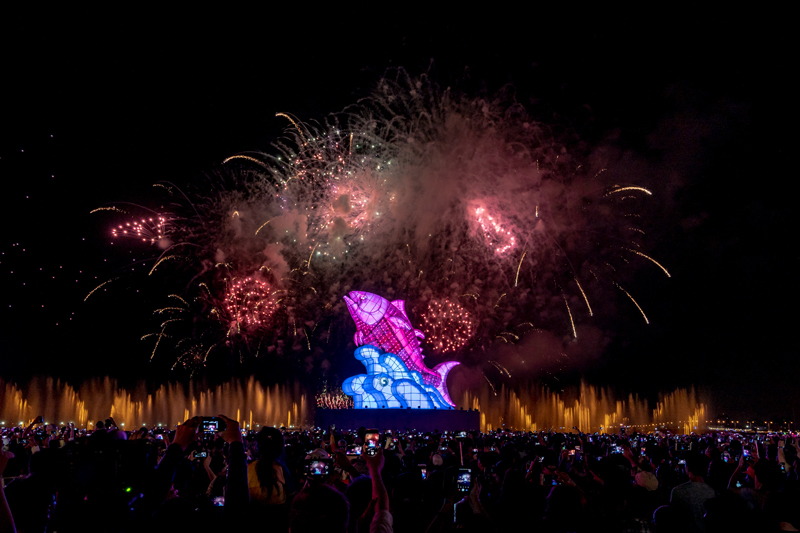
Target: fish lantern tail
[443,369]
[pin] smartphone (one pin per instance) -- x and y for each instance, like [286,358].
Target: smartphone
[475,450]
[682,462]
[371,440]
[219,501]
[201,455]
[746,452]
[464,480]
[424,470]
[354,449]
[572,452]
[577,448]
[783,468]
[212,424]
[442,448]
[160,436]
[617,449]
[318,467]
[461,435]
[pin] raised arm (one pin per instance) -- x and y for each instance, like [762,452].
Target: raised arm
[237,496]
[6,520]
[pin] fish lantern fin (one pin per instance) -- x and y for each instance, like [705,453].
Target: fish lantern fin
[401,306]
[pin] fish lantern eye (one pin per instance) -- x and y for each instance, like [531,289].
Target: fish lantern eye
[384,381]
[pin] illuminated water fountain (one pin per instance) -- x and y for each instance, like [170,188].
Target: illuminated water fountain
[255,405]
[593,409]
[249,402]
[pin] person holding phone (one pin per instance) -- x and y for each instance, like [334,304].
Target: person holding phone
[382,520]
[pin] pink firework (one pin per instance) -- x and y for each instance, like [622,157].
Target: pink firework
[146,229]
[447,325]
[500,239]
[249,302]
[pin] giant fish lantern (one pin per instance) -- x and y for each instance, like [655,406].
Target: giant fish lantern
[388,345]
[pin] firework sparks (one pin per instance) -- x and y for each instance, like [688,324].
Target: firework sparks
[659,265]
[447,325]
[634,301]
[571,321]
[99,286]
[387,195]
[118,210]
[585,299]
[516,279]
[629,188]
[246,158]
[501,240]
[249,302]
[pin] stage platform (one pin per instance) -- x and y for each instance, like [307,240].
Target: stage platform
[400,419]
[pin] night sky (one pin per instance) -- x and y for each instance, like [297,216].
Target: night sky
[98,107]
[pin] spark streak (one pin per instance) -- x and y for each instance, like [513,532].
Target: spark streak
[284,115]
[574,333]
[262,226]
[246,157]
[93,290]
[179,298]
[634,301]
[584,297]
[629,188]
[107,209]
[651,259]
[519,267]
[161,261]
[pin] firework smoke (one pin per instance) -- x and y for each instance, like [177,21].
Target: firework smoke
[414,193]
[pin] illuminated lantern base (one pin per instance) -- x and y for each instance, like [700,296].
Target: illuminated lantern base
[389,384]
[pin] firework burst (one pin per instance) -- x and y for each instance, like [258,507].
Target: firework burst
[415,193]
[447,326]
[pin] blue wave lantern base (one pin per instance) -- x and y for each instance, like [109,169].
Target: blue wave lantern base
[389,384]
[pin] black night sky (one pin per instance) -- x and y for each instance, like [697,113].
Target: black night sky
[98,107]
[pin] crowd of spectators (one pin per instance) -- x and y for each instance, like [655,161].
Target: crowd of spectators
[201,477]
